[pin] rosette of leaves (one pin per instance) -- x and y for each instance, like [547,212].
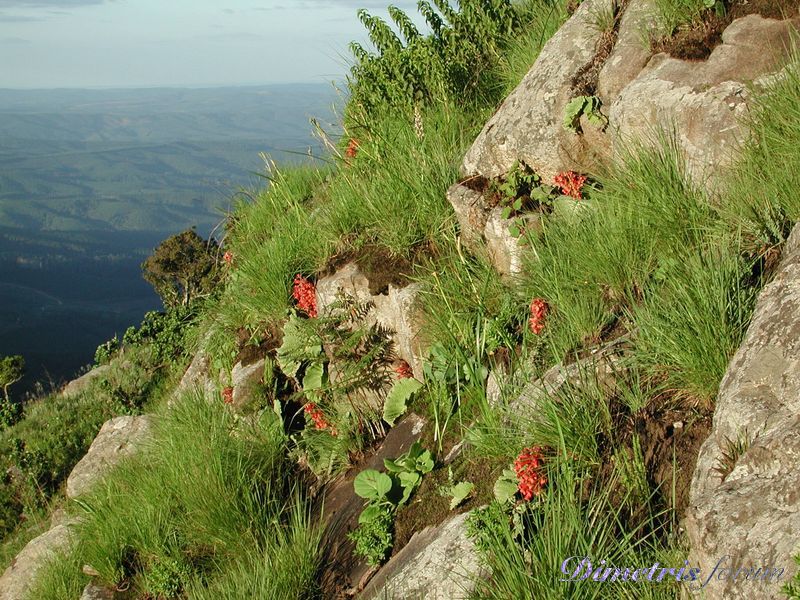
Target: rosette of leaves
[522,190]
[385,493]
[584,105]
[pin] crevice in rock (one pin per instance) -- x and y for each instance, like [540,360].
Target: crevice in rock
[696,41]
[584,83]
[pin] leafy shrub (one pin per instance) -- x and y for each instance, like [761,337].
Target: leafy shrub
[167,577]
[373,537]
[385,493]
[106,351]
[12,369]
[453,62]
[10,412]
[182,268]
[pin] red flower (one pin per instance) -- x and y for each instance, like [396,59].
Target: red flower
[539,310]
[318,417]
[227,395]
[571,183]
[352,148]
[528,468]
[305,294]
[228,257]
[404,370]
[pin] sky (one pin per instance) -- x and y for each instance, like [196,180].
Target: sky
[142,43]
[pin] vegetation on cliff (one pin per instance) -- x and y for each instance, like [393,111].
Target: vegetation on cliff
[216,507]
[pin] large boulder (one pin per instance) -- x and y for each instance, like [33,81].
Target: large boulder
[247,380]
[196,377]
[397,310]
[18,579]
[118,438]
[438,563]
[745,494]
[529,124]
[702,103]
[81,384]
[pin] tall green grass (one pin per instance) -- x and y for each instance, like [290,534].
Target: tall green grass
[208,496]
[760,201]
[569,522]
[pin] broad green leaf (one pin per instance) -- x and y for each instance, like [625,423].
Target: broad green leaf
[395,404]
[409,482]
[313,378]
[460,492]
[505,488]
[424,462]
[392,466]
[513,230]
[372,485]
[370,513]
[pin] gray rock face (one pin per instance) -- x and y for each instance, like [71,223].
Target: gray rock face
[471,211]
[396,310]
[246,381]
[752,514]
[528,126]
[95,592]
[348,280]
[601,369]
[703,103]
[438,563]
[82,383]
[196,377]
[631,52]
[20,576]
[118,438]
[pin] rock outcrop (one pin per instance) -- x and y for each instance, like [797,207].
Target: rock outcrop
[745,494]
[118,438]
[81,384]
[18,579]
[438,563]
[700,103]
[396,310]
[529,124]
[247,380]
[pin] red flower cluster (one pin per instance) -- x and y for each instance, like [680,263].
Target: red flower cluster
[228,257]
[528,468]
[352,148]
[571,183]
[539,310]
[318,417]
[305,294]
[404,370]
[227,395]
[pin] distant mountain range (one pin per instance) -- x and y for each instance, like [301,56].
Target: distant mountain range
[92,180]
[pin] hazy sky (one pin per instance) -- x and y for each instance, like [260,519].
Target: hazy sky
[109,43]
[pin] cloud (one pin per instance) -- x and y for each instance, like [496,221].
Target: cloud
[14,41]
[48,3]
[18,19]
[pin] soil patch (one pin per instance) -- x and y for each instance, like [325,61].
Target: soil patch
[669,435]
[671,441]
[249,353]
[429,507]
[379,266]
[698,40]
